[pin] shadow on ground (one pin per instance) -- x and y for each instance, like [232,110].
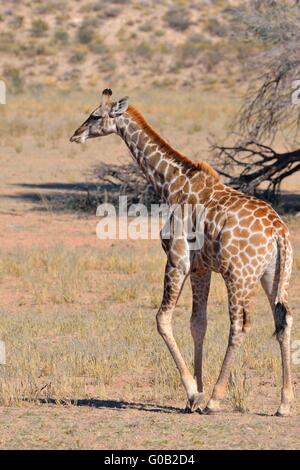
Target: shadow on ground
[118,405]
[64,197]
[112,405]
[86,196]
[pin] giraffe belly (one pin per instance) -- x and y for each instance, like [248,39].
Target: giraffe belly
[208,258]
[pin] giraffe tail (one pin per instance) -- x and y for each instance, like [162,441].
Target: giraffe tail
[282,310]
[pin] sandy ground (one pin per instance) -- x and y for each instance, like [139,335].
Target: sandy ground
[27,220]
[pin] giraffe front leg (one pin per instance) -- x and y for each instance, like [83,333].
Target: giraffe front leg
[174,280]
[200,289]
[239,326]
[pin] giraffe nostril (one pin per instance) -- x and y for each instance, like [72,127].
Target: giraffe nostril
[75,137]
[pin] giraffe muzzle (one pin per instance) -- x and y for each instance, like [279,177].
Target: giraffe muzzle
[79,138]
[75,138]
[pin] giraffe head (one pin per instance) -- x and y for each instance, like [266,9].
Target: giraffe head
[102,121]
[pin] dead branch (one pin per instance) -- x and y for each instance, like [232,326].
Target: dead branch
[246,166]
[125,180]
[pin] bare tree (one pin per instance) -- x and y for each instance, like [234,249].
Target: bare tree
[268,111]
[127,179]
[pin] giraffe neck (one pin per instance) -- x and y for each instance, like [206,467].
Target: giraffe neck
[171,177]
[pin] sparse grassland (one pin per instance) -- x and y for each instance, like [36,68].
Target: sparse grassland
[142,43]
[79,326]
[85,365]
[37,139]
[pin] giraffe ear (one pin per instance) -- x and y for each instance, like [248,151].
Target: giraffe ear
[119,107]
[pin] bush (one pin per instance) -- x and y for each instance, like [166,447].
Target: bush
[32,49]
[14,78]
[191,49]
[77,57]
[61,36]
[8,43]
[117,180]
[85,34]
[144,50]
[215,28]
[177,18]
[146,27]
[39,28]
[16,22]
[98,46]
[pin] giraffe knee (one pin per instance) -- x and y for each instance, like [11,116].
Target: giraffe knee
[163,323]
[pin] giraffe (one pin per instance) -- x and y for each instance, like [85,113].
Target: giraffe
[245,241]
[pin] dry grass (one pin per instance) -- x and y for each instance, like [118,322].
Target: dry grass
[69,107]
[38,138]
[82,324]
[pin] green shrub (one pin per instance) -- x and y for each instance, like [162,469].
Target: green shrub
[215,28]
[85,34]
[143,50]
[14,78]
[98,46]
[39,28]
[146,27]
[16,22]
[77,57]
[191,49]
[8,43]
[61,36]
[177,18]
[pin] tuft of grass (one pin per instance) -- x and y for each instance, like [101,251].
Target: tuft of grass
[239,391]
[8,43]
[14,77]
[61,36]
[85,34]
[77,57]
[177,18]
[124,293]
[39,28]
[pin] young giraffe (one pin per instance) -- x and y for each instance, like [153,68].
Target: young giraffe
[244,240]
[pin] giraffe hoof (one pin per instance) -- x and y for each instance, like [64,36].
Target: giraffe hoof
[194,403]
[208,411]
[283,411]
[212,407]
[187,409]
[281,415]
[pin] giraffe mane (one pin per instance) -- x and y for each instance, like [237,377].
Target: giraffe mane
[167,148]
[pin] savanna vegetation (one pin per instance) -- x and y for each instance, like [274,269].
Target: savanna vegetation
[85,366]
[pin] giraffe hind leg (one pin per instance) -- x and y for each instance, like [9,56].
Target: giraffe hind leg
[283,324]
[239,325]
